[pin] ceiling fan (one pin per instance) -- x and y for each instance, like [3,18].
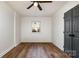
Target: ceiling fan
[36,3]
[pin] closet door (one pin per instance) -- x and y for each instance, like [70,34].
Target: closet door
[76,30]
[68,31]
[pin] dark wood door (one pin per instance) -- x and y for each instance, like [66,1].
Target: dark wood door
[68,31]
[71,31]
[76,30]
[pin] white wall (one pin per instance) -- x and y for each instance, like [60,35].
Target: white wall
[7,16]
[6,28]
[26,29]
[58,24]
[17,28]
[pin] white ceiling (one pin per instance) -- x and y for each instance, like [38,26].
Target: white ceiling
[48,8]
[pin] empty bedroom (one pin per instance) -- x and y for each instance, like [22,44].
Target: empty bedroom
[39,29]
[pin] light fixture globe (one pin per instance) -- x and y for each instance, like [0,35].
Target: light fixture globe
[35,4]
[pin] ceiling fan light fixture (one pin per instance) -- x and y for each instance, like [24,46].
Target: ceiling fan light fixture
[35,4]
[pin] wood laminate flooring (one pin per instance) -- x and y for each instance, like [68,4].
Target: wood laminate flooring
[36,50]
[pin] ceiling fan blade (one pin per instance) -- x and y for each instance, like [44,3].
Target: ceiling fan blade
[39,7]
[30,6]
[44,1]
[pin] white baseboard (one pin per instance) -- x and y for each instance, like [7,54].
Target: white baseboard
[58,46]
[3,53]
[17,44]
